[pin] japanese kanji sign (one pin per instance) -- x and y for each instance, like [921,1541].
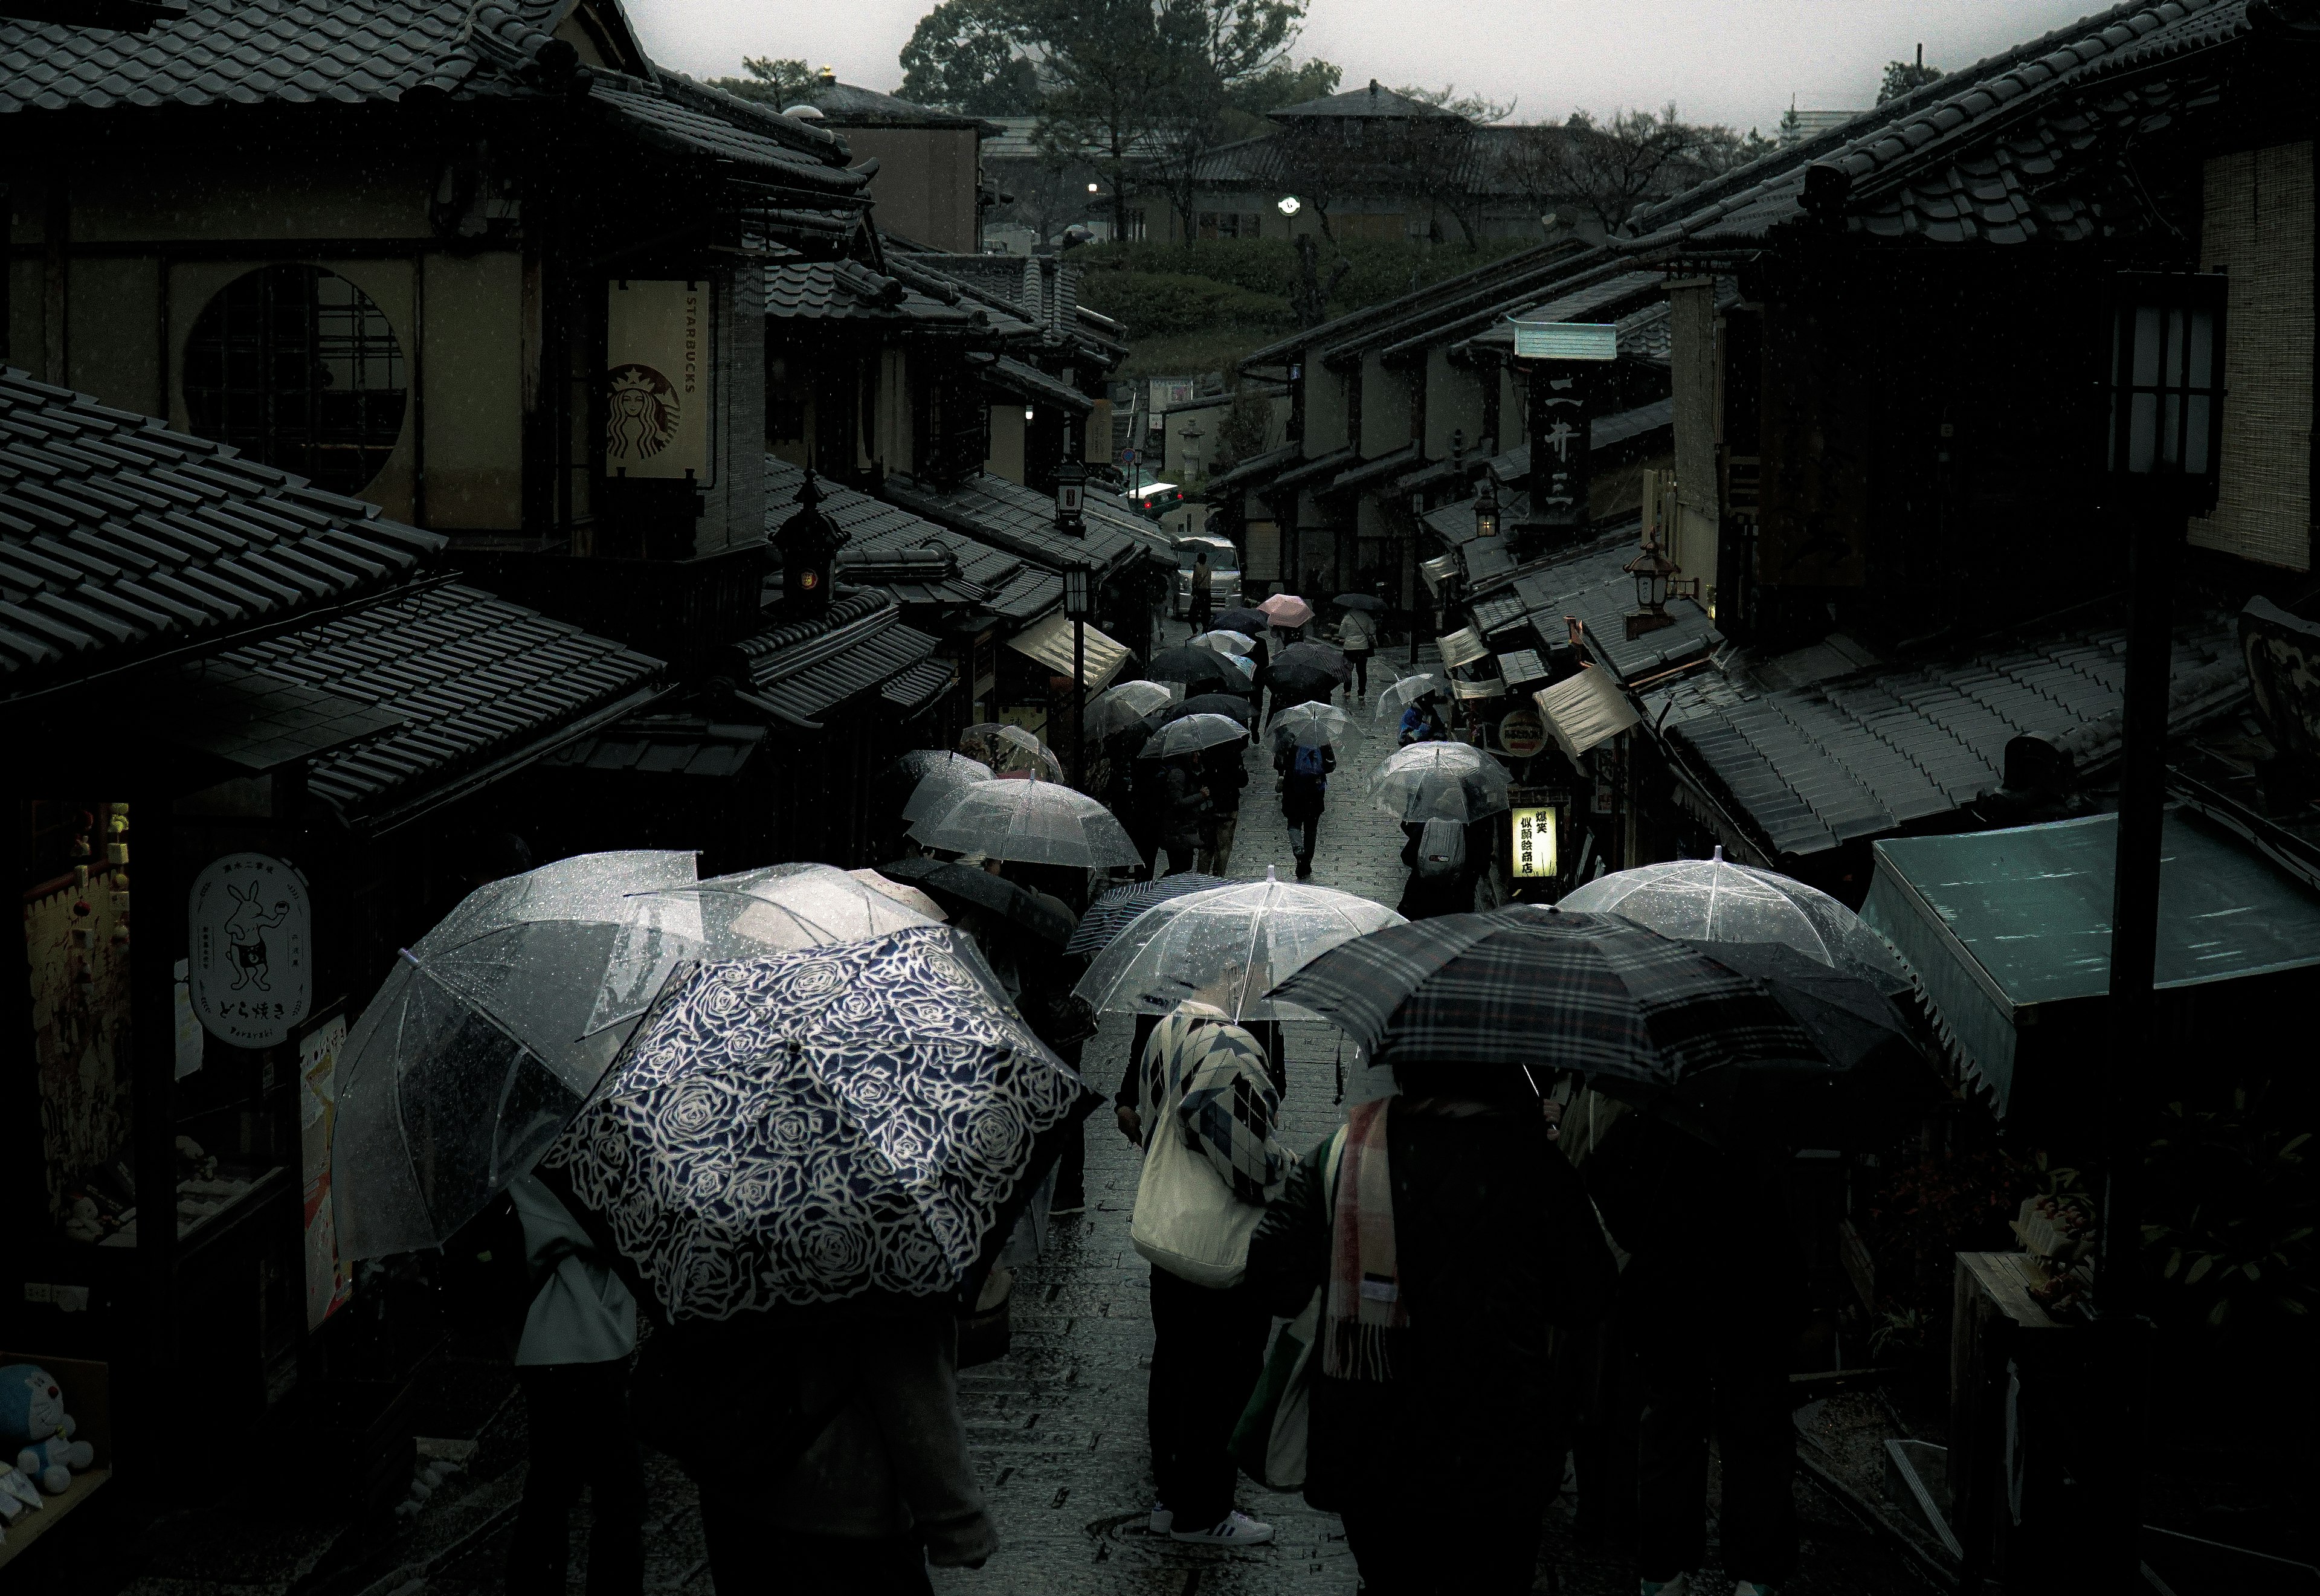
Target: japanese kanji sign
[251,941]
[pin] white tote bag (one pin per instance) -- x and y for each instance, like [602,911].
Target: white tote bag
[1187,1219]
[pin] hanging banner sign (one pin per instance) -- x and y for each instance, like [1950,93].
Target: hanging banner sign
[250,931]
[1534,841]
[657,380]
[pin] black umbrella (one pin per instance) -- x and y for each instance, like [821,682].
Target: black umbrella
[1196,668]
[1296,681]
[1254,623]
[1593,994]
[1359,601]
[1211,703]
[1319,657]
[962,886]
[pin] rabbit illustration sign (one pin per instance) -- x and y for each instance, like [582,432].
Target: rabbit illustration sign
[251,937]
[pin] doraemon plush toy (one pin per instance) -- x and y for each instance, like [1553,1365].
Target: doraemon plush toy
[32,1416]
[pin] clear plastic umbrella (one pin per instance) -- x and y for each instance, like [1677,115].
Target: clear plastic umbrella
[1127,704]
[1008,749]
[1448,780]
[1033,821]
[782,908]
[488,1034]
[1191,734]
[1407,691]
[1227,946]
[902,892]
[939,780]
[1225,641]
[1717,901]
[1309,726]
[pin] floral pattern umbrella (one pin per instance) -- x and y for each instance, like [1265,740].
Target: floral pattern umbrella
[819,1126]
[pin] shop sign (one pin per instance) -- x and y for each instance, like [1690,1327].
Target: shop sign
[251,935]
[1534,841]
[657,379]
[1522,733]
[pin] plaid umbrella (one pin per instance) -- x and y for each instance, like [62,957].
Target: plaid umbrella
[819,1126]
[1593,994]
[1110,915]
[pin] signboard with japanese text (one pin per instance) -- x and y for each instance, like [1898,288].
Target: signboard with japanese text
[1560,439]
[1533,835]
[1522,732]
[249,937]
[658,360]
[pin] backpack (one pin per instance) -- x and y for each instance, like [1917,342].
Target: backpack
[1441,849]
[1309,764]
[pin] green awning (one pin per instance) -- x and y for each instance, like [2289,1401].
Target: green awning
[2009,933]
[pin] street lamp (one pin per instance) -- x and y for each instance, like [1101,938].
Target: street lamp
[1071,492]
[1654,574]
[2164,455]
[1079,603]
[1289,205]
[1486,508]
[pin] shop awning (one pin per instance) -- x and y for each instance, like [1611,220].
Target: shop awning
[1050,643]
[2010,934]
[1584,709]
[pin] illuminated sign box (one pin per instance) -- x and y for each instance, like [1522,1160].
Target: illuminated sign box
[1534,841]
[1566,341]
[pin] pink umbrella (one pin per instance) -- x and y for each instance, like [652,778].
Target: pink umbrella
[1286,610]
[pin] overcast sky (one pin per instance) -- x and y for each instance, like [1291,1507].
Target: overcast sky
[1735,61]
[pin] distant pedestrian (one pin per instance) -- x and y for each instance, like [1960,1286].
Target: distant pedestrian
[1203,589]
[572,1365]
[1223,774]
[1357,637]
[1180,811]
[1304,792]
[1445,856]
[1205,1084]
[1451,1239]
[1706,1226]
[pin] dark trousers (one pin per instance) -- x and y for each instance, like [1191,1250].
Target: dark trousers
[1202,610]
[1739,1389]
[1302,834]
[1208,1349]
[750,1557]
[1399,1547]
[581,1437]
[1359,658]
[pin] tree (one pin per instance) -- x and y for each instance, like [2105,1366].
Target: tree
[968,56]
[1474,108]
[769,82]
[1609,167]
[1902,77]
[1308,295]
[1282,84]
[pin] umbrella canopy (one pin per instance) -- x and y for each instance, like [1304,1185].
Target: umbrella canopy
[1716,900]
[1320,656]
[1359,601]
[489,1033]
[1308,726]
[958,887]
[1009,748]
[1286,610]
[1214,704]
[909,897]
[1229,945]
[920,762]
[1127,704]
[939,780]
[1440,780]
[1249,622]
[1407,691]
[1109,915]
[1528,987]
[781,908]
[1199,670]
[1188,734]
[1034,821]
[819,1126]
[1225,641]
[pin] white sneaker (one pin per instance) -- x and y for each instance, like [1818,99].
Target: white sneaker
[1236,1530]
[1163,1520]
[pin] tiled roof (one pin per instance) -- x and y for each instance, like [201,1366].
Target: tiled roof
[842,105]
[991,510]
[847,290]
[1256,470]
[1317,473]
[118,538]
[2026,144]
[1454,522]
[918,561]
[663,745]
[1616,296]
[1373,471]
[1030,383]
[1041,291]
[1875,752]
[762,147]
[478,682]
[798,670]
[1484,278]
[1372,101]
[1594,585]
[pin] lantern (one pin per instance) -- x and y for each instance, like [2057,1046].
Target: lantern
[1654,572]
[809,545]
[1486,508]
[2166,428]
[1070,489]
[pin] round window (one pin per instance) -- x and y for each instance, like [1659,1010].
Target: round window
[297,366]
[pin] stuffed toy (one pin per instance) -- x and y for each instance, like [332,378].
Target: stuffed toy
[32,1415]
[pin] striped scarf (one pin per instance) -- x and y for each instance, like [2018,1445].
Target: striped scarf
[1365,1312]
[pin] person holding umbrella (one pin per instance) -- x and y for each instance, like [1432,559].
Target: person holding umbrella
[1357,636]
[1223,774]
[1304,755]
[1184,803]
